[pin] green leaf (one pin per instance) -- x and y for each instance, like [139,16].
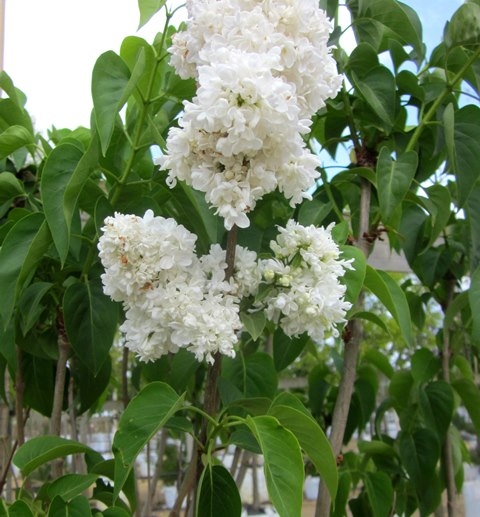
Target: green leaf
[464,26]
[70,485]
[362,59]
[425,365]
[132,47]
[205,222]
[438,204]
[20,254]
[16,96]
[394,178]
[437,404]
[90,387]
[10,187]
[218,493]
[384,20]
[252,376]
[379,360]
[353,278]
[420,452]
[283,464]
[112,85]
[291,413]
[448,130]
[13,114]
[243,438]
[20,509]
[254,323]
[313,212]
[380,492]
[474,300]
[286,349]
[42,449]
[340,232]
[400,388]
[376,448]
[377,88]
[79,178]
[8,348]
[29,304]
[147,9]
[183,366]
[330,6]
[363,403]
[472,210]
[39,376]
[56,174]
[470,395]
[464,164]
[369,316]
[106,468]
[91,320]
[146,413]
[398,54]
[407,83]
[78,507]
[14,138]
[343,494]
[393,298]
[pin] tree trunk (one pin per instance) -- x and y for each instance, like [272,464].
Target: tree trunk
[211,399]
[352,338]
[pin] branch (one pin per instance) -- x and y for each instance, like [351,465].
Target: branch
[352,338]
[211,396]
[439,101]
[59,390]
[447,455]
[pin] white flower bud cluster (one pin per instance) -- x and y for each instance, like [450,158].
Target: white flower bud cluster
[263,68]
[172,299]
[307,295]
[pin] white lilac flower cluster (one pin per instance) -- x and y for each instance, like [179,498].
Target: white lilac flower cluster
[263,68]
[174,299]
[306,295]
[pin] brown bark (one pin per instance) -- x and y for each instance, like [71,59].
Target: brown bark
[59,389]
[352,339]
[211,398]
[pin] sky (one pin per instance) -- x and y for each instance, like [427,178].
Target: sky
[50,48]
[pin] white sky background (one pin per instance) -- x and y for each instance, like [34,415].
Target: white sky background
[51,47]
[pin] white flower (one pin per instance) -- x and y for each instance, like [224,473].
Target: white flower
[294,32]
[246,275]
[263,69]
[138,253]
[172,300]
[307,295]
